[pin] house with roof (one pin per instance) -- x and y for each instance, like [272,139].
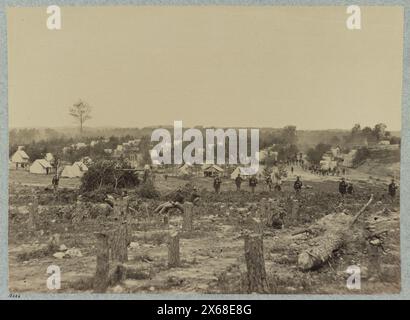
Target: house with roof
[20,158]
[212,170]
[336,152]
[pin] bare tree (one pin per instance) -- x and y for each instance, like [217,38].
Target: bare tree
[80,111]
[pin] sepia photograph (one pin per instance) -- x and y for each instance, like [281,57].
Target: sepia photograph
[204,149]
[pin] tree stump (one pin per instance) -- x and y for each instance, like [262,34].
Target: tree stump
[295,209]
[119,243]
[121,208]
[32,214]
[54,241]
[188,216]
[173,250]
[101,279]
[255,264]
[255,225]
[267,210]
[166,220]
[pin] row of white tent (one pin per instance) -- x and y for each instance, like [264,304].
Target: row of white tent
[42,166]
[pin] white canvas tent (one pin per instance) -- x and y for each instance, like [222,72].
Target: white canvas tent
[41,166]
[185,170]
[72,171]
[240,171]
[247,172]
[81,165]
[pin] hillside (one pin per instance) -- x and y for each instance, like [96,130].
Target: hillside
[382,163]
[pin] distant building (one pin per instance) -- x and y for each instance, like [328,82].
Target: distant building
[384,142]
[66,149]
[263,154]
[81,145]
[212,170]
[20,158]
[336,152]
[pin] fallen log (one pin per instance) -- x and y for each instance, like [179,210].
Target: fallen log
[338,226]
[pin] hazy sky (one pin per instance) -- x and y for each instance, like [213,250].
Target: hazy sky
[222,66]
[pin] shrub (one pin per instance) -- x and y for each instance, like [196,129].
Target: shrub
[109,173]
[148,191]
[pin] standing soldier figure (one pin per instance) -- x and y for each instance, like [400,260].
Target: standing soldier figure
[350,188]
[392,189]
[269,182]
[297,185]
[252,183]
[238,182]
[343,187]
[195,197]
[278,184]
[55,182]
[217,184]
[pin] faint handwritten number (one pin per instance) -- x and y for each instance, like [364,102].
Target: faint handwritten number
[54,18]
[54,281]
[353,281]
[14,295]
[354,21]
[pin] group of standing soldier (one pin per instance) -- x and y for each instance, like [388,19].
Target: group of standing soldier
[345,188]
[253,182]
